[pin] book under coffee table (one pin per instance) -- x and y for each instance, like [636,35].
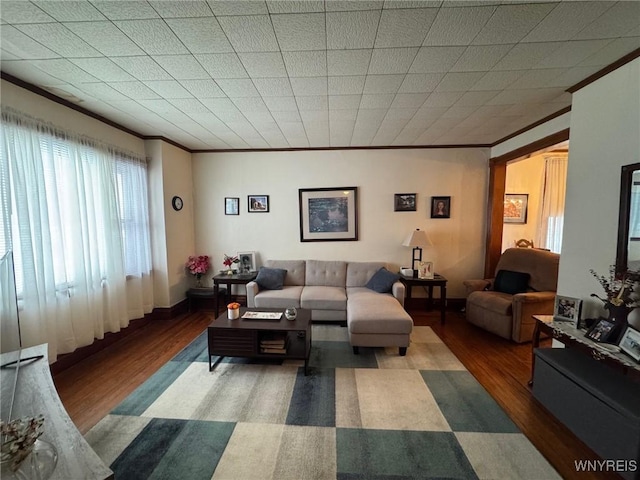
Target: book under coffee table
[257,338]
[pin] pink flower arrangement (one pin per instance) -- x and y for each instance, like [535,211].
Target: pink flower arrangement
[198,265]
[228,261]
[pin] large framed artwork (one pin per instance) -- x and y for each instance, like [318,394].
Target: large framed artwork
[328,214]
[515,207]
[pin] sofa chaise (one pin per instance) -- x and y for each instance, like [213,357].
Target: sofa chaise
[341,291]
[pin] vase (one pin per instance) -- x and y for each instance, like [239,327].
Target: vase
[199,281]
[38,465]
[618,316]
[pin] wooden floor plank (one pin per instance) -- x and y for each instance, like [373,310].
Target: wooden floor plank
[92,388]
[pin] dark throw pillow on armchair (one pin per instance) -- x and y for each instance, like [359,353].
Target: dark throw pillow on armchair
[511,282]
[382,281]
[271,278]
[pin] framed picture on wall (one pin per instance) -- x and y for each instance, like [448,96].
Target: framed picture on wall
[231,206]
[328,214]
[440,207]
[404,202]
[258,203]
[515,207]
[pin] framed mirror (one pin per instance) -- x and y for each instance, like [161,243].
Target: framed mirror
[628,252]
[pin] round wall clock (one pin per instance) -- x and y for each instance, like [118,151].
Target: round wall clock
[177,203]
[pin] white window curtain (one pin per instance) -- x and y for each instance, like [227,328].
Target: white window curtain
[552,210]
[78,225]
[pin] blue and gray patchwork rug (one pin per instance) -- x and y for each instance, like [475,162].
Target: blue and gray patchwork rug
[376,415]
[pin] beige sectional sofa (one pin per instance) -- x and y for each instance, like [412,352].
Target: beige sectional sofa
[336,291]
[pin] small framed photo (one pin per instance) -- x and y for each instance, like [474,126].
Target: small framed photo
[567,309]
[231,206]
[404,202]
[440,207]
[630,343]
[258,203]
[425,270]
[515,207]
[247,262]
[602,331]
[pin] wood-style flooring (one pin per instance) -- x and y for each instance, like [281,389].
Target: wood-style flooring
[91,388]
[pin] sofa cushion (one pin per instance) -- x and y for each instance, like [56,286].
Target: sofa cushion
[382,281]
[323,298]
[295,270]
[326,273]
[359,273]
[287,297]
[540,264]
[376,313]
[271,278]
[511,282]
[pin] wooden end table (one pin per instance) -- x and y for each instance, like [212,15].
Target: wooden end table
[241,337]
[428,284]
[228,280]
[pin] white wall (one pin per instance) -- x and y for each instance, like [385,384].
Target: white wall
[605,134]
[458,250]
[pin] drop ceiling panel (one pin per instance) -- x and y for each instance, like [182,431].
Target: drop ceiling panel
[106,38]
[348,62]
[135,10]
[153,36]
[200,35]
[305,64]
[404,28]
[23,46]
[457,26]
[20,11]
[392,60]
[70,11]
[250,34]
[59,38]
[300,32]
[263,64]
[351,30]
[143,68]
[222,65]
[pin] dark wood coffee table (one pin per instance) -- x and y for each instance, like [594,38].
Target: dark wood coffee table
[241,338]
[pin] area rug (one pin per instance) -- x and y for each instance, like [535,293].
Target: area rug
[375,415]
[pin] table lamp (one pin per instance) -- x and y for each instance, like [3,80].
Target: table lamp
[416,239]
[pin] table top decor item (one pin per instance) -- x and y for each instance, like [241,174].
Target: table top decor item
[198,266]
[229,261]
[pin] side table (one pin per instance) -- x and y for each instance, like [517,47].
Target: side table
[202,293]
[429,283]
[228,280]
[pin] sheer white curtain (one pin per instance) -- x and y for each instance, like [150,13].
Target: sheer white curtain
[552,210]
[79,230]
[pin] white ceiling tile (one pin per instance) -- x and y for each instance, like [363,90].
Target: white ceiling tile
[497,80]
[281,104]
[70,10]
[344,102]
[420,82]
[572,76]
[348,6]
[392,60]
[134,90]
[103,68]
[429,114]
[181,9]
[20,11]
[238,87]
[621,17]
[347,85]
[566,20]
[525,55]
[383,83]
[286,116]
[182,67]
[348,62]
[321,116]
[292,6]
[263,64]
[442,99]
[246,7]
[475,99]
[510,23]
[217,105]
[409,100]
[538,78]
[250,104]
[142,68]
[572,53]
[304,31]
[105,37]
[250,34]
[351,30]
[616,49]
[435,59]
[189,106]
[459,112]
[133,10]
[343,115]
[382,100]
[59,39]
[200,35]
[459,81]
[305,64]
[525,96]
[101,91]
[457,26]
[273,87]
[480,58]
[312,102]
[222,65]
[153,36]
[309,85]
[404,28]
[64,70]
[25,69]
[168,88]
[23,46]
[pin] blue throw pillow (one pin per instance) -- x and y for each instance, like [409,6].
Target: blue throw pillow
[271,278]
[382,281]
[511,282]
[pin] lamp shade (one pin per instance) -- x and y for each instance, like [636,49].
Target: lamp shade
[417,238]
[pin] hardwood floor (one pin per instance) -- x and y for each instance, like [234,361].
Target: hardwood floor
[92,388]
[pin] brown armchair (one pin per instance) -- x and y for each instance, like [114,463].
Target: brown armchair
[504,305]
